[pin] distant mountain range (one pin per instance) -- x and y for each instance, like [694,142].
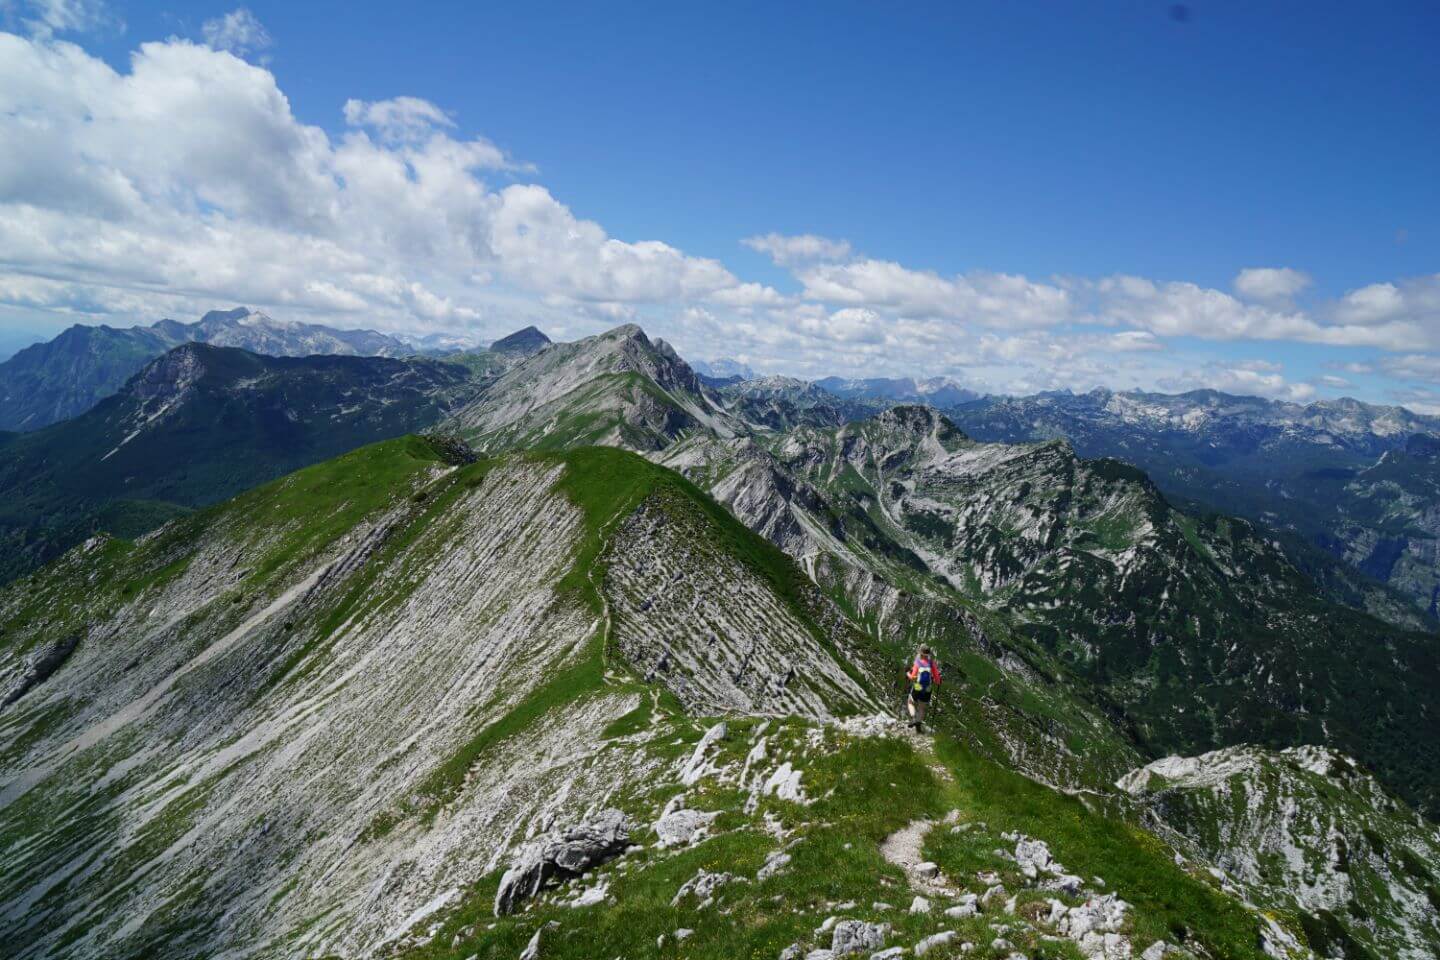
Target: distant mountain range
[53,381]
[1348,477]
[62,378]
[1312,472]
[724,368]
[443,344]
[197,425]
[937,392]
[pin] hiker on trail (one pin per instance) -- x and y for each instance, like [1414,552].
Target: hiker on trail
[924,677]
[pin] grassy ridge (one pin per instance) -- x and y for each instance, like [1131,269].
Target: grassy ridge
[865,789]
[1170,903]
[608,485]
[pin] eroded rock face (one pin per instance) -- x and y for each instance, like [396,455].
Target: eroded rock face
[1305,826]
[699,620]
[574,851]
[857,936]
[40,668]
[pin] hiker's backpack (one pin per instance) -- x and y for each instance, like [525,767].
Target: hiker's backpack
[923,673]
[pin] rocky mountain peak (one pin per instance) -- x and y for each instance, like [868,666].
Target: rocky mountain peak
[226,316]
[655,359]
[921,421]
[171,374]
[618,387]
[625,331]
[524,342]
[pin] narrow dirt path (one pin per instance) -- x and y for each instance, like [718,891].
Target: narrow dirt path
[905,849]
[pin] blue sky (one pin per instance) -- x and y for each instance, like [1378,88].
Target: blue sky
[1006,180]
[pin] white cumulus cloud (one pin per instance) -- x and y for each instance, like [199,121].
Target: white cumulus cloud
[1270,283]
[804,248]
[992,299]
[239,32]
[187,179]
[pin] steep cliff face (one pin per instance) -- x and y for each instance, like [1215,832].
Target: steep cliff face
[1305,827]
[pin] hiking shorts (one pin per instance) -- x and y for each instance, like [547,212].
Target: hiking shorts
[920,696]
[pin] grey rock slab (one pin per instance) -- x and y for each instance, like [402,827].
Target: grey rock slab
[570,853]
[703,885]
[857,936]
[697,766]
[1064,883]
[1032,854]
